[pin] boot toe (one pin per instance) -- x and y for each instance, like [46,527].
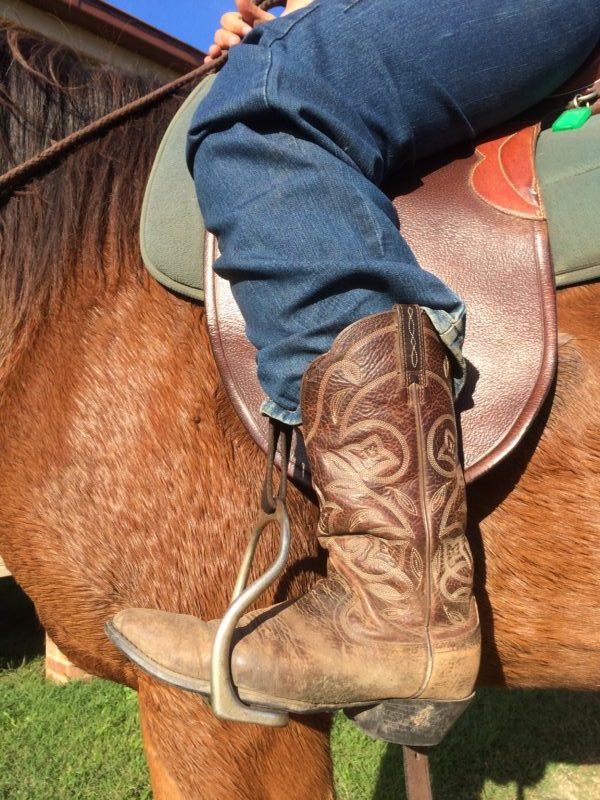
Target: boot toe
[162,642]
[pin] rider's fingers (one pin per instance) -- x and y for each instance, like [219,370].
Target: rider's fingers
[252,14]
[233,22]
[234,26]
[225,40]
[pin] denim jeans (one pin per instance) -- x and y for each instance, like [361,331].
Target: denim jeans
[307,118]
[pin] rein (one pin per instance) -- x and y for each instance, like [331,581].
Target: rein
[36,165]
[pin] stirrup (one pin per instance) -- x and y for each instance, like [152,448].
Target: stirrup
[224,698]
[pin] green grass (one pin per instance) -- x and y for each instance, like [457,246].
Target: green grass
[509,746]
[79,741]
[82,741]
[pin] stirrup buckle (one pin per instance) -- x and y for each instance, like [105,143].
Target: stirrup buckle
[224,698]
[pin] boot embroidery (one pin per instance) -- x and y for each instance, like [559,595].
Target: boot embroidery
[381,592]
[369,456]
[441,446]
[363,475]
[365,457]
[453,568]
[344,369]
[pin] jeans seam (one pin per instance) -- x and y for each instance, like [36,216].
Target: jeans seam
[266,81]
[351,5]
[308,10]
[375,227]
[276,39]
[453,326]
[272,409]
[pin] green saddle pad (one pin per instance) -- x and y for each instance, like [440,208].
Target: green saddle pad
[568,165]
[568,168]
[171,227]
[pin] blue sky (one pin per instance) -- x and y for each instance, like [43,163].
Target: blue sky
[193,21]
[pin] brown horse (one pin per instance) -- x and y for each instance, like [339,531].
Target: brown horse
[127,480]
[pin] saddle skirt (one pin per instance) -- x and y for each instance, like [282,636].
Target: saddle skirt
[475,217]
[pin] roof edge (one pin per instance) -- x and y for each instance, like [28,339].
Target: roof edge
[125,30]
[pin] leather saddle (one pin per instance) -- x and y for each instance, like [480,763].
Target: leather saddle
[475,220]
[475,217]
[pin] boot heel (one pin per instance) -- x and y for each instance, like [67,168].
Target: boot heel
[415,723]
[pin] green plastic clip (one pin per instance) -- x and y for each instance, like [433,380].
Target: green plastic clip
[572,118]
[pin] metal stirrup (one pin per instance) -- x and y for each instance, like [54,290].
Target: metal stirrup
[224,698]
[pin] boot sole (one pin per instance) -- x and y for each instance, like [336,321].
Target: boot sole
[416,722]
[419,722]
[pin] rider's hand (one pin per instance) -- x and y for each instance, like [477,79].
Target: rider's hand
[236,24]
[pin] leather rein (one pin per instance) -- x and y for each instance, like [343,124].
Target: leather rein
[36,165]
[39,163]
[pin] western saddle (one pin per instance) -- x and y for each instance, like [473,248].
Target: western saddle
[484,218]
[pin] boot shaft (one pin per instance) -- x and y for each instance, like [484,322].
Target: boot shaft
[380,432]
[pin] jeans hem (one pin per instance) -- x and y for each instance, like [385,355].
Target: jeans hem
[272,409]
[451,330]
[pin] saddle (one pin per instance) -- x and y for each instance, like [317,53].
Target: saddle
[485,219]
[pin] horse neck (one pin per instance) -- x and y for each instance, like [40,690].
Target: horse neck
[47,92]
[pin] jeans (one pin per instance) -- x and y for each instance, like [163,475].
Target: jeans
[308,117]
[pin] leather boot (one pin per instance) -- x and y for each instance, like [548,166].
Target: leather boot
[395,617]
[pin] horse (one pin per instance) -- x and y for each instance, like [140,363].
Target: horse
[127,479]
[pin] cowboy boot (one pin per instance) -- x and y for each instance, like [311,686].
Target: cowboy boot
[395,618]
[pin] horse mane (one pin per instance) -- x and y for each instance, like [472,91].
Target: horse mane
[80,217]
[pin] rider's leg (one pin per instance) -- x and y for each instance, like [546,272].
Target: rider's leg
[288,150]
